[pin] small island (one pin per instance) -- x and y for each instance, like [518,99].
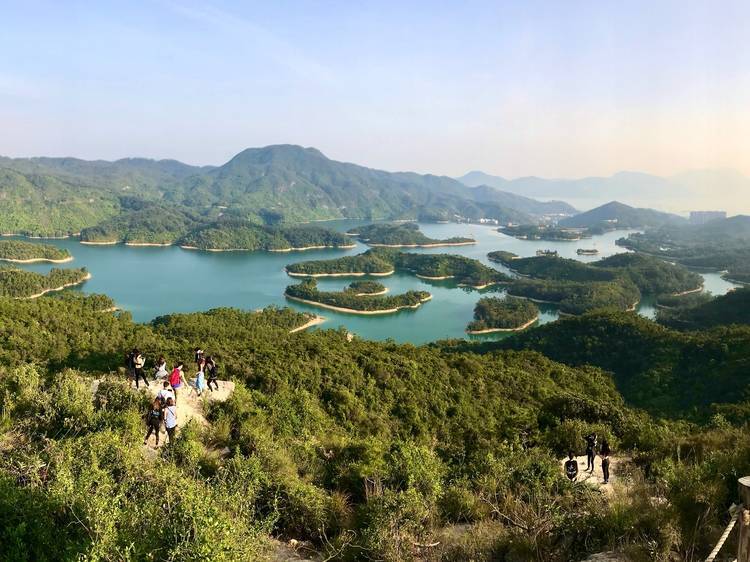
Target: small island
[22,284]
[17,251]
[385,261]
[493,314]
[544,232]
[368,288]
[351,301]
[402,235]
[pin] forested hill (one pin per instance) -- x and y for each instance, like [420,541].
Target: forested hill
[618,215]
[281,183]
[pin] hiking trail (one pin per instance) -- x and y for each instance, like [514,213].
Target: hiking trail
[596,479]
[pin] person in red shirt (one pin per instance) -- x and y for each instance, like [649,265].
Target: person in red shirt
[177,379]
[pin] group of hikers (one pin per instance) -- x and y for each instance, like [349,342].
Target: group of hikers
[164,407]
[571,465]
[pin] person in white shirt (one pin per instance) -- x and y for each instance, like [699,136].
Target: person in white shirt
[160,368]
[170,419]
[165,393]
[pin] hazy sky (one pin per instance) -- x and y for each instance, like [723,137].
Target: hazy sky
[557,88]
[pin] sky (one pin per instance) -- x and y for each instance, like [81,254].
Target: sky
[514,88]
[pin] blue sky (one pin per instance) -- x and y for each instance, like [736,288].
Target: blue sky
[556,89]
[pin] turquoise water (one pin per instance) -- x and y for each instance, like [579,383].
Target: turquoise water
[152,281]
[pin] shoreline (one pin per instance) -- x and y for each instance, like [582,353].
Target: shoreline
[698,290]
[480,287]
[314,321]
[136,244]
[30,237]
[438,278]
[72,284]
[378,294]
[105,243]
[302,249]
[38,260]
[493,330]
[352,274]
[430,245]
[353,311]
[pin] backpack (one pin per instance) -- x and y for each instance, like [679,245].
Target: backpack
[571,468]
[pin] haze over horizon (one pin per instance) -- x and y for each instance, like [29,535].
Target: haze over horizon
[543,89]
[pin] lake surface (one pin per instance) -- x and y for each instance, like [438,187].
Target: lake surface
[153,281]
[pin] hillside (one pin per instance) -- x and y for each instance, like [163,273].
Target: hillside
[618,215]
[280,183]
[731,308]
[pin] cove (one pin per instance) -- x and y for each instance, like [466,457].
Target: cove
[153,281]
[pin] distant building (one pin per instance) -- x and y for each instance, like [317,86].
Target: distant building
[702,217]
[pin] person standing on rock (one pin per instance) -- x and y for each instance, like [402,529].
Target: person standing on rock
[212,372]
[138,362]
[571,467]
[170,419]
[176,379]
[590,448]
[154,417]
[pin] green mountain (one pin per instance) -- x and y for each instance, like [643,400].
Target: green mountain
[732,308]
[618,215]
[282,183]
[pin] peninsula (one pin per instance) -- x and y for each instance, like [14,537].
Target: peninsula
[493,314]
[402,235]
[22,284]
[17,251]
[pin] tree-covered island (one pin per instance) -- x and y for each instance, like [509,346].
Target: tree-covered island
[493,314]
[22,284]
[402,235]
[18,251]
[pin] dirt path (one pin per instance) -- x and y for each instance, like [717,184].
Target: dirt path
[190,406]
[596,479]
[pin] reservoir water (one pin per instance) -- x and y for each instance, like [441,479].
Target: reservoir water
[153,281]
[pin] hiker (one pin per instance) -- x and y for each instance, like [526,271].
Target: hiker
[176,379]
[200,382]
[165,393]
[590,448]
[212,371]
[160,369]
[138,362]
[154,417]
[199,358]
[571,467]
[170,419]
[130,363]
[605,451]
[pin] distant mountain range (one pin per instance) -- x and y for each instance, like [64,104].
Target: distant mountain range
[281,183]
[701,189]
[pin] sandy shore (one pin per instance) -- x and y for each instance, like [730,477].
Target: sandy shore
[88,276]
[348,247]
[352,311]
[532,299]
[379,293]
[493,330]
[314,321]
[480,287]
[697,290]
[38,237]
[148,244]
[37,260]
[105,243]
[354,274]
[439,278]
[432,245]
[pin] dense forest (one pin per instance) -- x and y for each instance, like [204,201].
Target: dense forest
[367,287]
[364,450]
[353,299]
[242,235]
[20,251]
[19,283]
[493,313]
[577,297]
[401,234]
[462,270]
[731,308]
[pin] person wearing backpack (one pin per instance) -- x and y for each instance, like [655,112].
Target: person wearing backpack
[170,419]
[212,371]
[154,417]
[176,379]
[138,362]
[165,393]
[130,363]
[590,448]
